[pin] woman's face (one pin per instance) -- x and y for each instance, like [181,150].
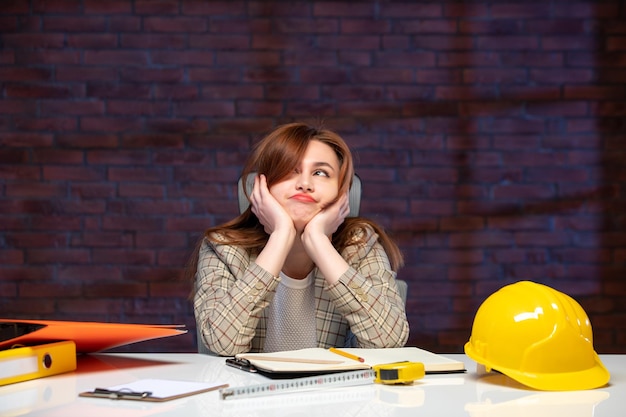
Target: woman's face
[312,186]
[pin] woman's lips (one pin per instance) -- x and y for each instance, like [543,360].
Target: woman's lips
[305,198]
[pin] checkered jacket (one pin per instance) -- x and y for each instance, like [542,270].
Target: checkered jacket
[232,293]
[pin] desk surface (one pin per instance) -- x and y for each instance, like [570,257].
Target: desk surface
[449,395]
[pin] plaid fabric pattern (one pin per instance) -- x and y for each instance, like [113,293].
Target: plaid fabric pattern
[232,293]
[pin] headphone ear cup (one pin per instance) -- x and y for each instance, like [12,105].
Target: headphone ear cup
[354,196]
[243,199]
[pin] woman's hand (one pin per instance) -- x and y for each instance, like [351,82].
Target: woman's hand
[276,222]
[327,221]
[267,209]
[317,243]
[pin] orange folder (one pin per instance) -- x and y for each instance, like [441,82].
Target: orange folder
[88,336]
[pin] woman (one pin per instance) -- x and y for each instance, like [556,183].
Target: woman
[292,271]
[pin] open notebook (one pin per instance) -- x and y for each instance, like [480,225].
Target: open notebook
[318,361]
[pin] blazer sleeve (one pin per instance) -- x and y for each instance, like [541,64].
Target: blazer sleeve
[231,292]
[367,296]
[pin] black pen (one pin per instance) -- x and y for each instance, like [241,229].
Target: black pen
[242,364]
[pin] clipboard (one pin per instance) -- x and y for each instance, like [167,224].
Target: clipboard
[153,390]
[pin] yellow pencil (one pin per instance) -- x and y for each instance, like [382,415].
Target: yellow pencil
[347,355]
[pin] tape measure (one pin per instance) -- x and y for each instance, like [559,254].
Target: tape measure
[399,372]
[389,374]
[342,379]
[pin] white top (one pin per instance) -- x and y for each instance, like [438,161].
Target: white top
[291,315]
[449,395]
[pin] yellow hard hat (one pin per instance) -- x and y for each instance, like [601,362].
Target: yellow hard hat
[538,336]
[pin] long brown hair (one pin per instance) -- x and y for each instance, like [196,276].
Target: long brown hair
[276,156]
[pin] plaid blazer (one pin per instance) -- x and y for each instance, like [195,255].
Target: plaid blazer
[232,293]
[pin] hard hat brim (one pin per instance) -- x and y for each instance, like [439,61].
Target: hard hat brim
[594,377]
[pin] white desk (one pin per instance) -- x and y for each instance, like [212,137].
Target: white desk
[436,395]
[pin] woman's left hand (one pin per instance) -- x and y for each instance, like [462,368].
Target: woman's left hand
[328,220]
[317,243]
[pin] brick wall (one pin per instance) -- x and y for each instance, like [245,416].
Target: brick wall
[489,136]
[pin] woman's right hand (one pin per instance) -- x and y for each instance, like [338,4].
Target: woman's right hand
[276,222]
[267,209]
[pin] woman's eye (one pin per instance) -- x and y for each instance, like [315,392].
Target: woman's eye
[320,172]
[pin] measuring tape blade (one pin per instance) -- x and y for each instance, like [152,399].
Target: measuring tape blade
[343,379]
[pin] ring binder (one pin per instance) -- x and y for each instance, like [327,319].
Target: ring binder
[31,362]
